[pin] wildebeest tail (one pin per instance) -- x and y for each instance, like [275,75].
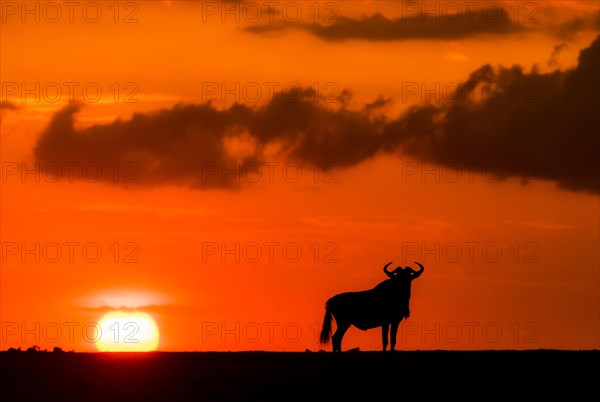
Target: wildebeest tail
[326,330]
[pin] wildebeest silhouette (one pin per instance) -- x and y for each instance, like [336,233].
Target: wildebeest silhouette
[387,304]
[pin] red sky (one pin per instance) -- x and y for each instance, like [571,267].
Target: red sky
[510,263]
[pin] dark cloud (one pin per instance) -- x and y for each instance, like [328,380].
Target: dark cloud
[5,105]
[555,52]
[501,119]
[566,30]
[423,26]
[543,125]
[188,143]
[435,26]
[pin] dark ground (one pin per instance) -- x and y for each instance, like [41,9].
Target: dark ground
[262,376]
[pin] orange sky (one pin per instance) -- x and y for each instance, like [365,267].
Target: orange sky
[157,238]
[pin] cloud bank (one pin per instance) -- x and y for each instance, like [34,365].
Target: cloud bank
[525,123]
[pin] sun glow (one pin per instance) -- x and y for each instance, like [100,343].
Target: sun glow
[126,331]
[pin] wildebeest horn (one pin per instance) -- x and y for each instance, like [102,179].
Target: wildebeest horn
[417,273]
[388,273]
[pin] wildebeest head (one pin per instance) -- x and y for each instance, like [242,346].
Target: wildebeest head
[403,273]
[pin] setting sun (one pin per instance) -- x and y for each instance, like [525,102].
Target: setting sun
[121,331]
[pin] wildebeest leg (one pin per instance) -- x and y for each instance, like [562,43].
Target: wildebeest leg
[395,325]
[336,339]
[385,328]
